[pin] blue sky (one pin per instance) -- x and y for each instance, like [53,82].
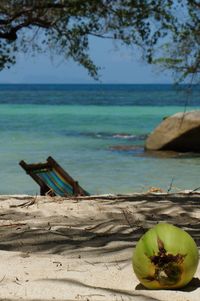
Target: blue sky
[120,65]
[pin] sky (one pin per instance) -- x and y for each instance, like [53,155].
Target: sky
[121,65]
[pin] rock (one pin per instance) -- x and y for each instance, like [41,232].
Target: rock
[126,148]
[179,132]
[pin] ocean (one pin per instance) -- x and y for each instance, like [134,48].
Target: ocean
[95,132]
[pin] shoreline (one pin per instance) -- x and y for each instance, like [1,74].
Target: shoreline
[80,248]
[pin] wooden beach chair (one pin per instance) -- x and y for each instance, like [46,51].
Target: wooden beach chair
[53,179]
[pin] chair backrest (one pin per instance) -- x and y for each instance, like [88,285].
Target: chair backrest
[53,179]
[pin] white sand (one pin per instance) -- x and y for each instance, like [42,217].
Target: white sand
[81,248]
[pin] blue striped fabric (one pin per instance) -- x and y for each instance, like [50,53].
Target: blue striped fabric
[54,182]
[65,186]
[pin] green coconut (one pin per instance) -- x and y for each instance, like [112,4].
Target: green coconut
[165,257]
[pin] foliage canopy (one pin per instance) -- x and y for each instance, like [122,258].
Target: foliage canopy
[167,31]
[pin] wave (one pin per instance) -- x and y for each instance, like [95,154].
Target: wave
[104,135]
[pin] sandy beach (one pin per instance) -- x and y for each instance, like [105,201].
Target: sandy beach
[81,248]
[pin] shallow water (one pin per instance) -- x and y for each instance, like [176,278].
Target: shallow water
[96,132]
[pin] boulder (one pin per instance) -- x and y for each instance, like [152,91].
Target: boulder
[179,132]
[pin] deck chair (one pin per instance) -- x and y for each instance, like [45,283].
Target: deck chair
[53,179]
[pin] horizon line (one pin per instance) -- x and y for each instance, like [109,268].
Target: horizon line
[35,83]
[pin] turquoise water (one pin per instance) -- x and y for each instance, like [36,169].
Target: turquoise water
[96,133]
